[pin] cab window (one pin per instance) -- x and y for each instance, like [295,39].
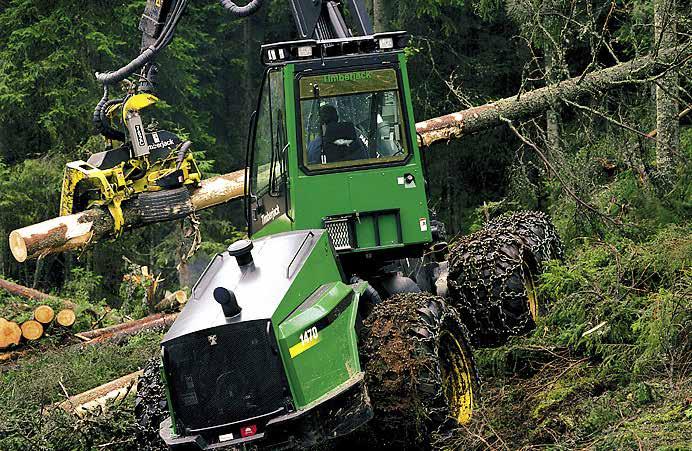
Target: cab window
[352,119]
[269,151]
[262,150]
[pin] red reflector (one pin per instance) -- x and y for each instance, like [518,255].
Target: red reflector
[248,431]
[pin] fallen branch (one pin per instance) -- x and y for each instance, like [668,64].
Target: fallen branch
[12,355]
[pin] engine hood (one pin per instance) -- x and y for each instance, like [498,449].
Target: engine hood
[259,287]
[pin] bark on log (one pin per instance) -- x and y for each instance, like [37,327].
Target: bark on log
[529,104]
[126,329]
[30,293]
[76,231]
[101,396]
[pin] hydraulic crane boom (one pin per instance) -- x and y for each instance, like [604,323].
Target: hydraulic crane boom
[317,19]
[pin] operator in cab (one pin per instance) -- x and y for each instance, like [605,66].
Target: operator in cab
[339,141]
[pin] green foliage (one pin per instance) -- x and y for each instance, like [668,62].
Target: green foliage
[626,304]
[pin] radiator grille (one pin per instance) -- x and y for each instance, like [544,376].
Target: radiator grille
[225,374]
[340,233]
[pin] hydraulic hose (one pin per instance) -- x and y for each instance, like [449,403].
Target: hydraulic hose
[242,11]
[99,118]
[182,151]
[108,131]
[121,74]
[147,54]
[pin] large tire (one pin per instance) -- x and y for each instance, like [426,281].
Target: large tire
[535,230]
[419,370]
[150,408]
[491,283]
[493,274]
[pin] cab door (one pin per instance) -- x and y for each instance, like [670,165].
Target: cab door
[268,168]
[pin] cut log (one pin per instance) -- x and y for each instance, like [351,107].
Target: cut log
[10,333]
[30,293]
[77,230]
[172,301]
[98,399]
[32,330]
[66,317]
[44,314]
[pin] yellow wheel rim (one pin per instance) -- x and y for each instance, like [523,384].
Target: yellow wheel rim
[457,378]
[531,293]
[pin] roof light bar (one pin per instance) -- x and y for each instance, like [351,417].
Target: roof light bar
[283,52]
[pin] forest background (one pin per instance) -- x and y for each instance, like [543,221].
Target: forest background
[593,164]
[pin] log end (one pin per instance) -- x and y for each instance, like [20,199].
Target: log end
[44,314]
[10,333]
[66,317]
[18,246]
[32,330]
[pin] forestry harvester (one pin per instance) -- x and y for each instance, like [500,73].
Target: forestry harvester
[337,311]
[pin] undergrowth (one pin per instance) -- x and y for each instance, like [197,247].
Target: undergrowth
[610,367]
[29,389]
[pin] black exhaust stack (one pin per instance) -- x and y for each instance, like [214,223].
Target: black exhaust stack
[228,302]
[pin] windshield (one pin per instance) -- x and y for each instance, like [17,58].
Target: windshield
[351,119]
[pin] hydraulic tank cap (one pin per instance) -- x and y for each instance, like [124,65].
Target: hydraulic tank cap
[228,302]
[241,250]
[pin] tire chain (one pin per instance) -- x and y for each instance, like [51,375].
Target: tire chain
[488,270]
[421,317]
[536,231]
[150,408]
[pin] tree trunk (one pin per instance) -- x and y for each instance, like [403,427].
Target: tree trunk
[44,314]
[30,293]
[127,329]
[32,330]
[531,103]
[172,301]
[667,123]
[78,230]
[66,317]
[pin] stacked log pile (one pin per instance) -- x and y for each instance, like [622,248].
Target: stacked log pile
[43,317]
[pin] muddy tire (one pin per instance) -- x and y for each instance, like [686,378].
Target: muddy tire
[150,408]
[419,370]
[535,230]
[492,284]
